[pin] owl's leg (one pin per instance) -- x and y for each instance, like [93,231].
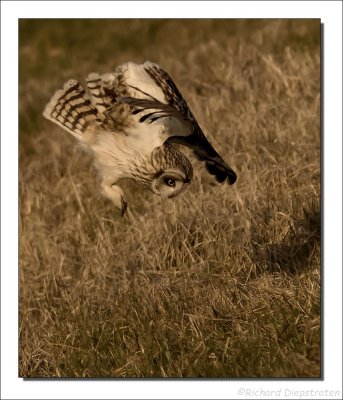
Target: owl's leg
[116,195]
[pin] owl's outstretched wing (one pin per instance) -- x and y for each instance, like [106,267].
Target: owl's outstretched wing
[155,99]
[71,109]
[82,113]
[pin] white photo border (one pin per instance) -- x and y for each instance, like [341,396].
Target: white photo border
[13,387]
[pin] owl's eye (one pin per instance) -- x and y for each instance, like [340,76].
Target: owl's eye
[169,182]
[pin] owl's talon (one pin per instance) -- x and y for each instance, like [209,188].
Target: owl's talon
[123,208]
[116,195]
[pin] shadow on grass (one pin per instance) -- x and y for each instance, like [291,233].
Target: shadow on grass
[295,253]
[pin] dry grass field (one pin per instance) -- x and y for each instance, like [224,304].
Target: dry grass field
[223,281]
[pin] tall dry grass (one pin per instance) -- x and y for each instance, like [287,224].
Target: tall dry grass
[219,282]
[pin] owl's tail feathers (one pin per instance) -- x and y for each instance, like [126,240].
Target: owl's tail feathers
[71,109]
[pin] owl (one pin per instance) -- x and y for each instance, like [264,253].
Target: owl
[131,120]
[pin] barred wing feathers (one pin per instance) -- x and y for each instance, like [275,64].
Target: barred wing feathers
[71,109]
[75,110]
[100,96]
[156,97]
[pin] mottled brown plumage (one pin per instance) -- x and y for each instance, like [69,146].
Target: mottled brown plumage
[130,120]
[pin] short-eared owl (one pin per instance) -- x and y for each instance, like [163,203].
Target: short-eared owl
[130,119]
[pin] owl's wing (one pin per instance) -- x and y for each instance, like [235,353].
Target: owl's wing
[78,111]
[155,99]
[71,109]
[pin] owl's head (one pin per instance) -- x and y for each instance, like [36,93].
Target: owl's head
[174,171]
[169,183]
